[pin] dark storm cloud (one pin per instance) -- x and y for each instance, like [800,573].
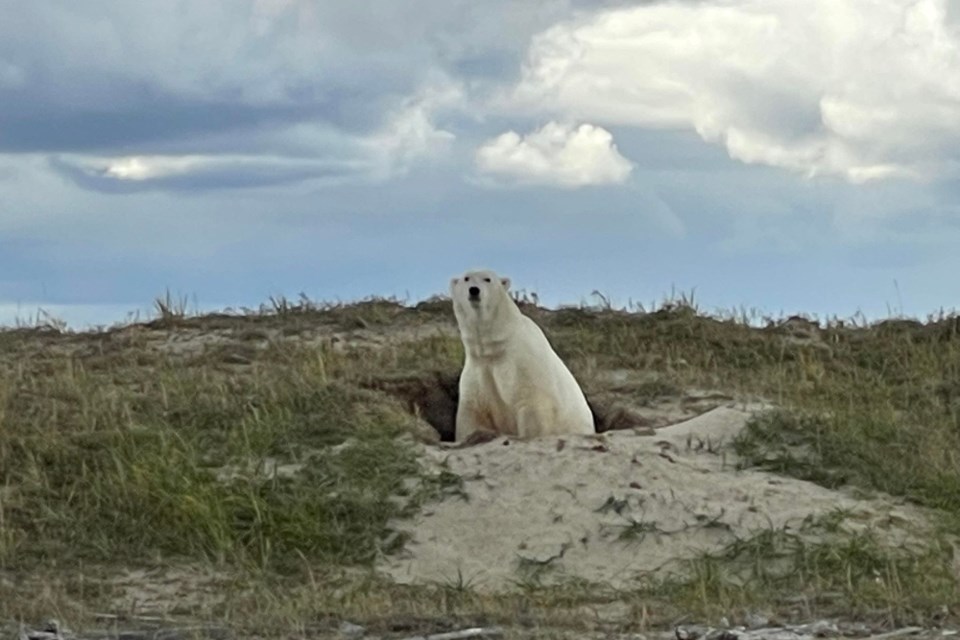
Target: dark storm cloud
[107,75]
[161,124]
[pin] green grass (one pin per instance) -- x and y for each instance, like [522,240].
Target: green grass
[817,569]
[872,449]
[174,443]
[99,467]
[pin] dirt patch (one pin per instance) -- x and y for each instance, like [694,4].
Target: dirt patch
[432,396]
[167,591]
[610,508]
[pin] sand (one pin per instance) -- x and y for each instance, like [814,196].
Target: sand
[558,508]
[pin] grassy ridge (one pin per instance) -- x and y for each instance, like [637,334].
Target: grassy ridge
[177,442]
[142,458]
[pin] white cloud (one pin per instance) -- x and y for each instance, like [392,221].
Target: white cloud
[555,154]
[146,168]
[864,90]
[409,133]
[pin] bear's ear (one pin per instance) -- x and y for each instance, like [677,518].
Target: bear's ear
[453,283]
[506,283]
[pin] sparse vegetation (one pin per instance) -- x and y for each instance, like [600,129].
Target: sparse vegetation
[265,448]
[842,570]
[170,308]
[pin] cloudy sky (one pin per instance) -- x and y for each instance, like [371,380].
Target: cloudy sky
[773,155]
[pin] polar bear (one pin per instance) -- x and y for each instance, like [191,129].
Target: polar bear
[513,382]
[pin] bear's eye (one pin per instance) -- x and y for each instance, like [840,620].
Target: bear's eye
[486,279]
[466,279]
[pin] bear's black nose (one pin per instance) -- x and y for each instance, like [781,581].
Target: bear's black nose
[474,292]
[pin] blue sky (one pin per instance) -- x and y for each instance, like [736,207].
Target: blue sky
[778,156]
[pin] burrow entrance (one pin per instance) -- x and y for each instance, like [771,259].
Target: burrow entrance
[434,396]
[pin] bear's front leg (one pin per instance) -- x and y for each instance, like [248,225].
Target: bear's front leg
[469,421]
[532,422]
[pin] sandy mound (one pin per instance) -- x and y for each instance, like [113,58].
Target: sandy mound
[605,508]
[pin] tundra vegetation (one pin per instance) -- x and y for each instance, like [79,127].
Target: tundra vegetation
[246,467]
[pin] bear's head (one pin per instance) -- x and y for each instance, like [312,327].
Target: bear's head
[479,293]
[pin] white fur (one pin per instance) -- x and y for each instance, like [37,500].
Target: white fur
[513,382]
